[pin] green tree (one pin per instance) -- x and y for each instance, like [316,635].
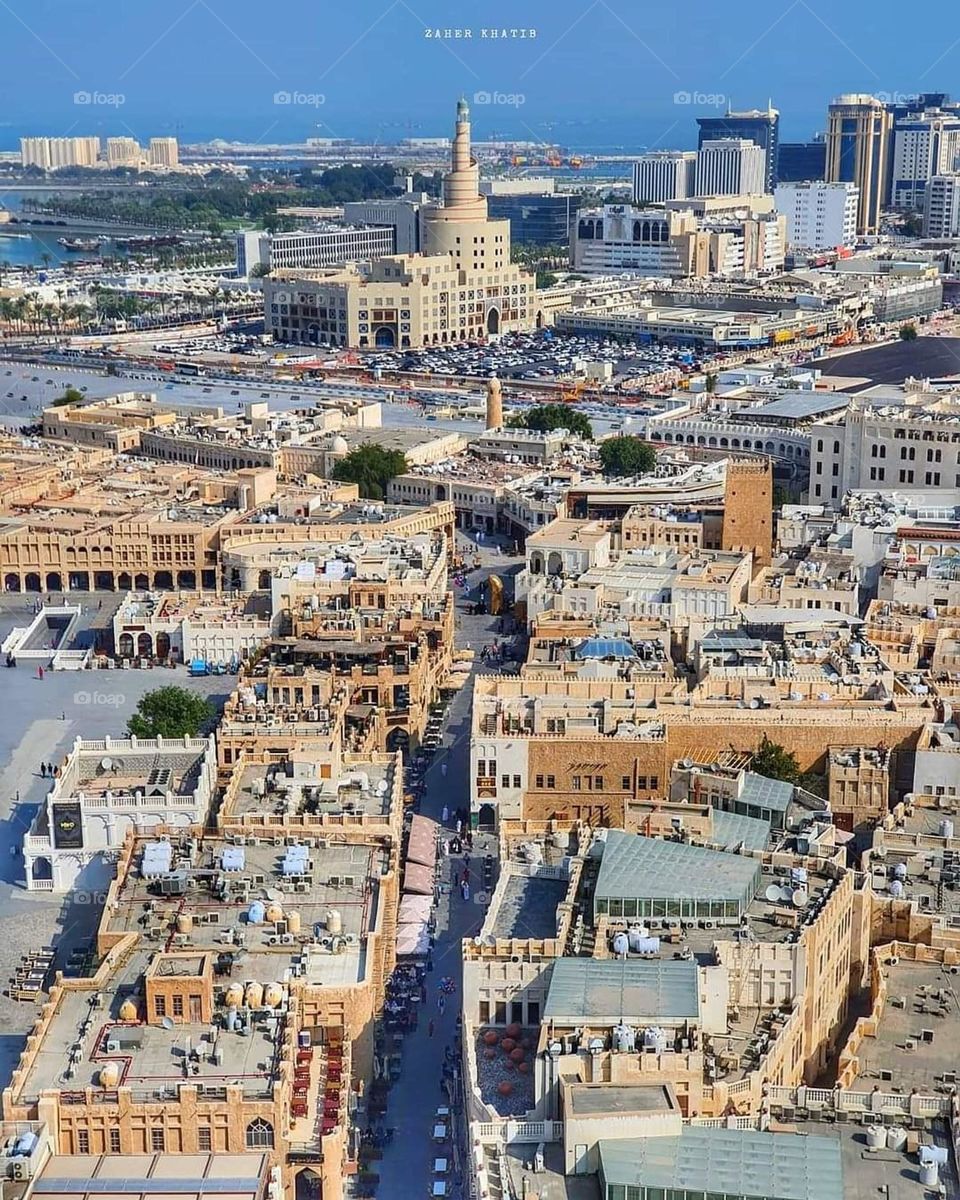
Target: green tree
[772,760]
[370,467]
[908,332]
[546,417]
[171,712]
[70,396]
[627,456]
[710,383]
[259,270]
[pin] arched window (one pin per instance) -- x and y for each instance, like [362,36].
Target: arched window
[259,1134]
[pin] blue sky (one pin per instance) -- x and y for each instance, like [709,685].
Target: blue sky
[594,73]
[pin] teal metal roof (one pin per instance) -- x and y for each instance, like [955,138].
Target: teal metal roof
[601,991]
[780,1166]
[765,793]
[649,868]
[730,829]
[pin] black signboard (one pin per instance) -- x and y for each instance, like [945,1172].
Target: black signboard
[67,826]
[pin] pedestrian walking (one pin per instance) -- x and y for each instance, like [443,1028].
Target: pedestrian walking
[43,770]
[40,672]
[443,772]
[444,815]
[423,993]
[441,1003]
[430,1028]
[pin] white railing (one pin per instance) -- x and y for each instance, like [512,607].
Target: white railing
[915,1104]
[41,885]
[724,1122]
[507,1131]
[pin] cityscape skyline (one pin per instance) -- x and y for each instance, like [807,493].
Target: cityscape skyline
[635,86]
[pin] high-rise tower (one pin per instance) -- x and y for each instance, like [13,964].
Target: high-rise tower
[858,151]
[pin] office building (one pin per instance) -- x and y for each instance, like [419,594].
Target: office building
[462,287]
[730,167]
[724,235]
[328,245]
[760,126]
[403,214]
[535,220]
[800,161]
[858,152]
[52,153]
[924,145]
[666,175]
[941,207]
[164,152]
[123,152]
[820,216]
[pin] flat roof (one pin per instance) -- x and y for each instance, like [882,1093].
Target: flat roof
[231,1176]
[607,991]
[633,865]
[528,907]
[592,1099]
[780,1166]
[929,1019]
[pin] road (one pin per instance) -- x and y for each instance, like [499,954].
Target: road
[406,1169]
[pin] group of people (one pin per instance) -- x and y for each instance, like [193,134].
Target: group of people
[48,771]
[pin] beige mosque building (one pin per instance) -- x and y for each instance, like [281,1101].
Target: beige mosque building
[461,288]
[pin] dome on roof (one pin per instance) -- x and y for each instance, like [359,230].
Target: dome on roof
[339,445]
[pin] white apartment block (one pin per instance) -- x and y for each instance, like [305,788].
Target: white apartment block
[666,175]
[820,216]
[313,249]
[164,152]
[910,447]
[52,153]
[923,146]
[730,167]
[679,242]
[941,207]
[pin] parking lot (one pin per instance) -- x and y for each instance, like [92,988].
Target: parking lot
[534,357]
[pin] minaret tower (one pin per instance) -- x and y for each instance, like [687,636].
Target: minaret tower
[494,403]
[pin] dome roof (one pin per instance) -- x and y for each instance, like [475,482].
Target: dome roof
[339,445]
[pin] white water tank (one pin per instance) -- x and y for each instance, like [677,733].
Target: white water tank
[624,1038]
[333,921]
[655,1040]
[946,829]
[929,1172]
[896,889]
[876,1137]
[621,944]
[896,1138]
[900,871]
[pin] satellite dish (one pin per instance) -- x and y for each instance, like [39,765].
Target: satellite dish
[772,894]
[383,787]
[273,894]
[168,1023]
[800,898]
[106,763]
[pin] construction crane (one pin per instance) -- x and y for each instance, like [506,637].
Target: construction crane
[570,395]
